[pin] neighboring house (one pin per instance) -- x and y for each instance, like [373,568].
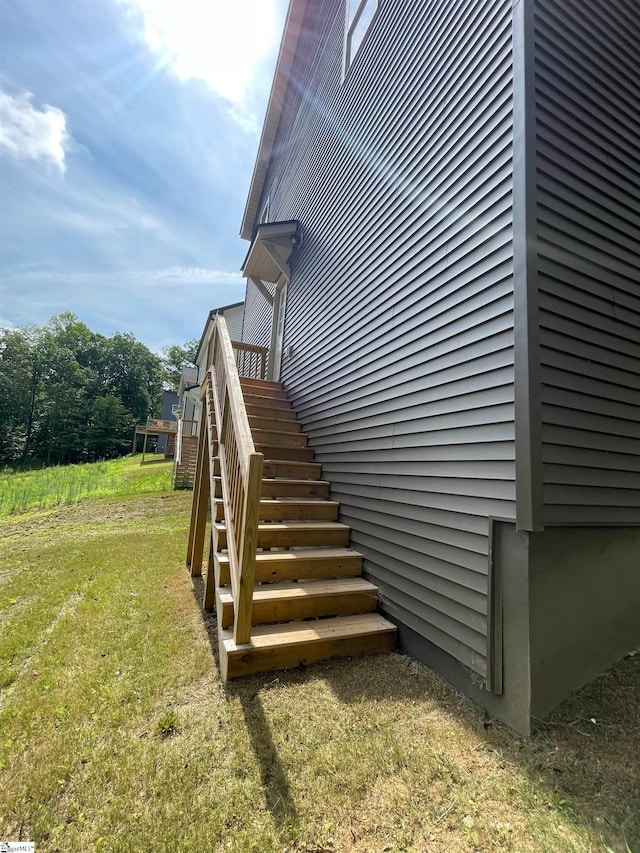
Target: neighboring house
[233,314]
[184,461]
[167,442]
[188,395]
[188,406]
[444,220]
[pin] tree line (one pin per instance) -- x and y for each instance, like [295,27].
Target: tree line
[68,394]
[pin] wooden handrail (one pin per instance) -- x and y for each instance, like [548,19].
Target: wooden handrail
[240,473]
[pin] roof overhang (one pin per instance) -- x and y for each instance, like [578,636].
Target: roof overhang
[268,257]
[288,45]
[207,326]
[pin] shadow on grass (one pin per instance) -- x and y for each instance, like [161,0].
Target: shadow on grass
[275,782]
[588,755]
[584,761]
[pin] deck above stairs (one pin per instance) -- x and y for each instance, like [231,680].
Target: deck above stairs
[310,601]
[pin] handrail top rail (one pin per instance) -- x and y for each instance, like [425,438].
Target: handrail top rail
[249,347]
[237,409]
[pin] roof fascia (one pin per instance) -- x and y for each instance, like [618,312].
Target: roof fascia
[288,45]
[204,337]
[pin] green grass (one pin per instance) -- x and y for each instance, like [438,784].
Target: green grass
[117,735]
[47,487]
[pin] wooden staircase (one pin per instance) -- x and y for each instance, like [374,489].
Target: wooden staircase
[310,601]
[304,567]
[184,470]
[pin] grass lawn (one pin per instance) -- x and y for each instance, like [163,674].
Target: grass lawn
[116,733]
[64,484]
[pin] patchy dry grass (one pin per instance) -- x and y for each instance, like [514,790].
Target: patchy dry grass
[117,734]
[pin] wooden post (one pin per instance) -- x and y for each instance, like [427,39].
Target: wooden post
[209,597]
[247,557]
[197,480]
[200,519]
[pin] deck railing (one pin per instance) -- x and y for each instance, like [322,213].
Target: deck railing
[158,425]
[251,360]
[240,473]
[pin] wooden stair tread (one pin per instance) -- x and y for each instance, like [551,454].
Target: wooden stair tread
[265,387]
[279,438]
[297,564]
[283,646]
[307,554]
[286,534]
[285,469]
[307,589]
[304,524]
[290,509]
[282,487]
[287,425]
[284,453]
[306,599]
[267,401]
[252,382]
[260,410]
[287,633]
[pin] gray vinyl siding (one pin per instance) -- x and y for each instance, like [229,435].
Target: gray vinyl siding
[234,317]
[258,315]
[588,199]
[400,306]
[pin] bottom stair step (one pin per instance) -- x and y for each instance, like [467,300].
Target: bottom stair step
[296,643]
[283,602]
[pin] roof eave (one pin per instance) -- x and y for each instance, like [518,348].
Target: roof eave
[288,45]
[210,317]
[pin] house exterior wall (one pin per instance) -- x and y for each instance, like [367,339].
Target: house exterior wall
[400,306]
[587,66]
[258,316]
[234,316]
[169,399]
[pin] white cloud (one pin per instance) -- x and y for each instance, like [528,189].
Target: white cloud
[160,306]
[196,275]
[90,215]
[149,278]
[28,133]
[221,42]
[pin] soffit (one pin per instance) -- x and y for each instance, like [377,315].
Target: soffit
[268,257]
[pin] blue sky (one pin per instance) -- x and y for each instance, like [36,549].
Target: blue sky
[128,133]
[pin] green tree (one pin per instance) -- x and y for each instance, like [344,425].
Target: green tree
[110,427]
[69,394]
[133,373]
[20,372]
[174,358]
[68,350]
